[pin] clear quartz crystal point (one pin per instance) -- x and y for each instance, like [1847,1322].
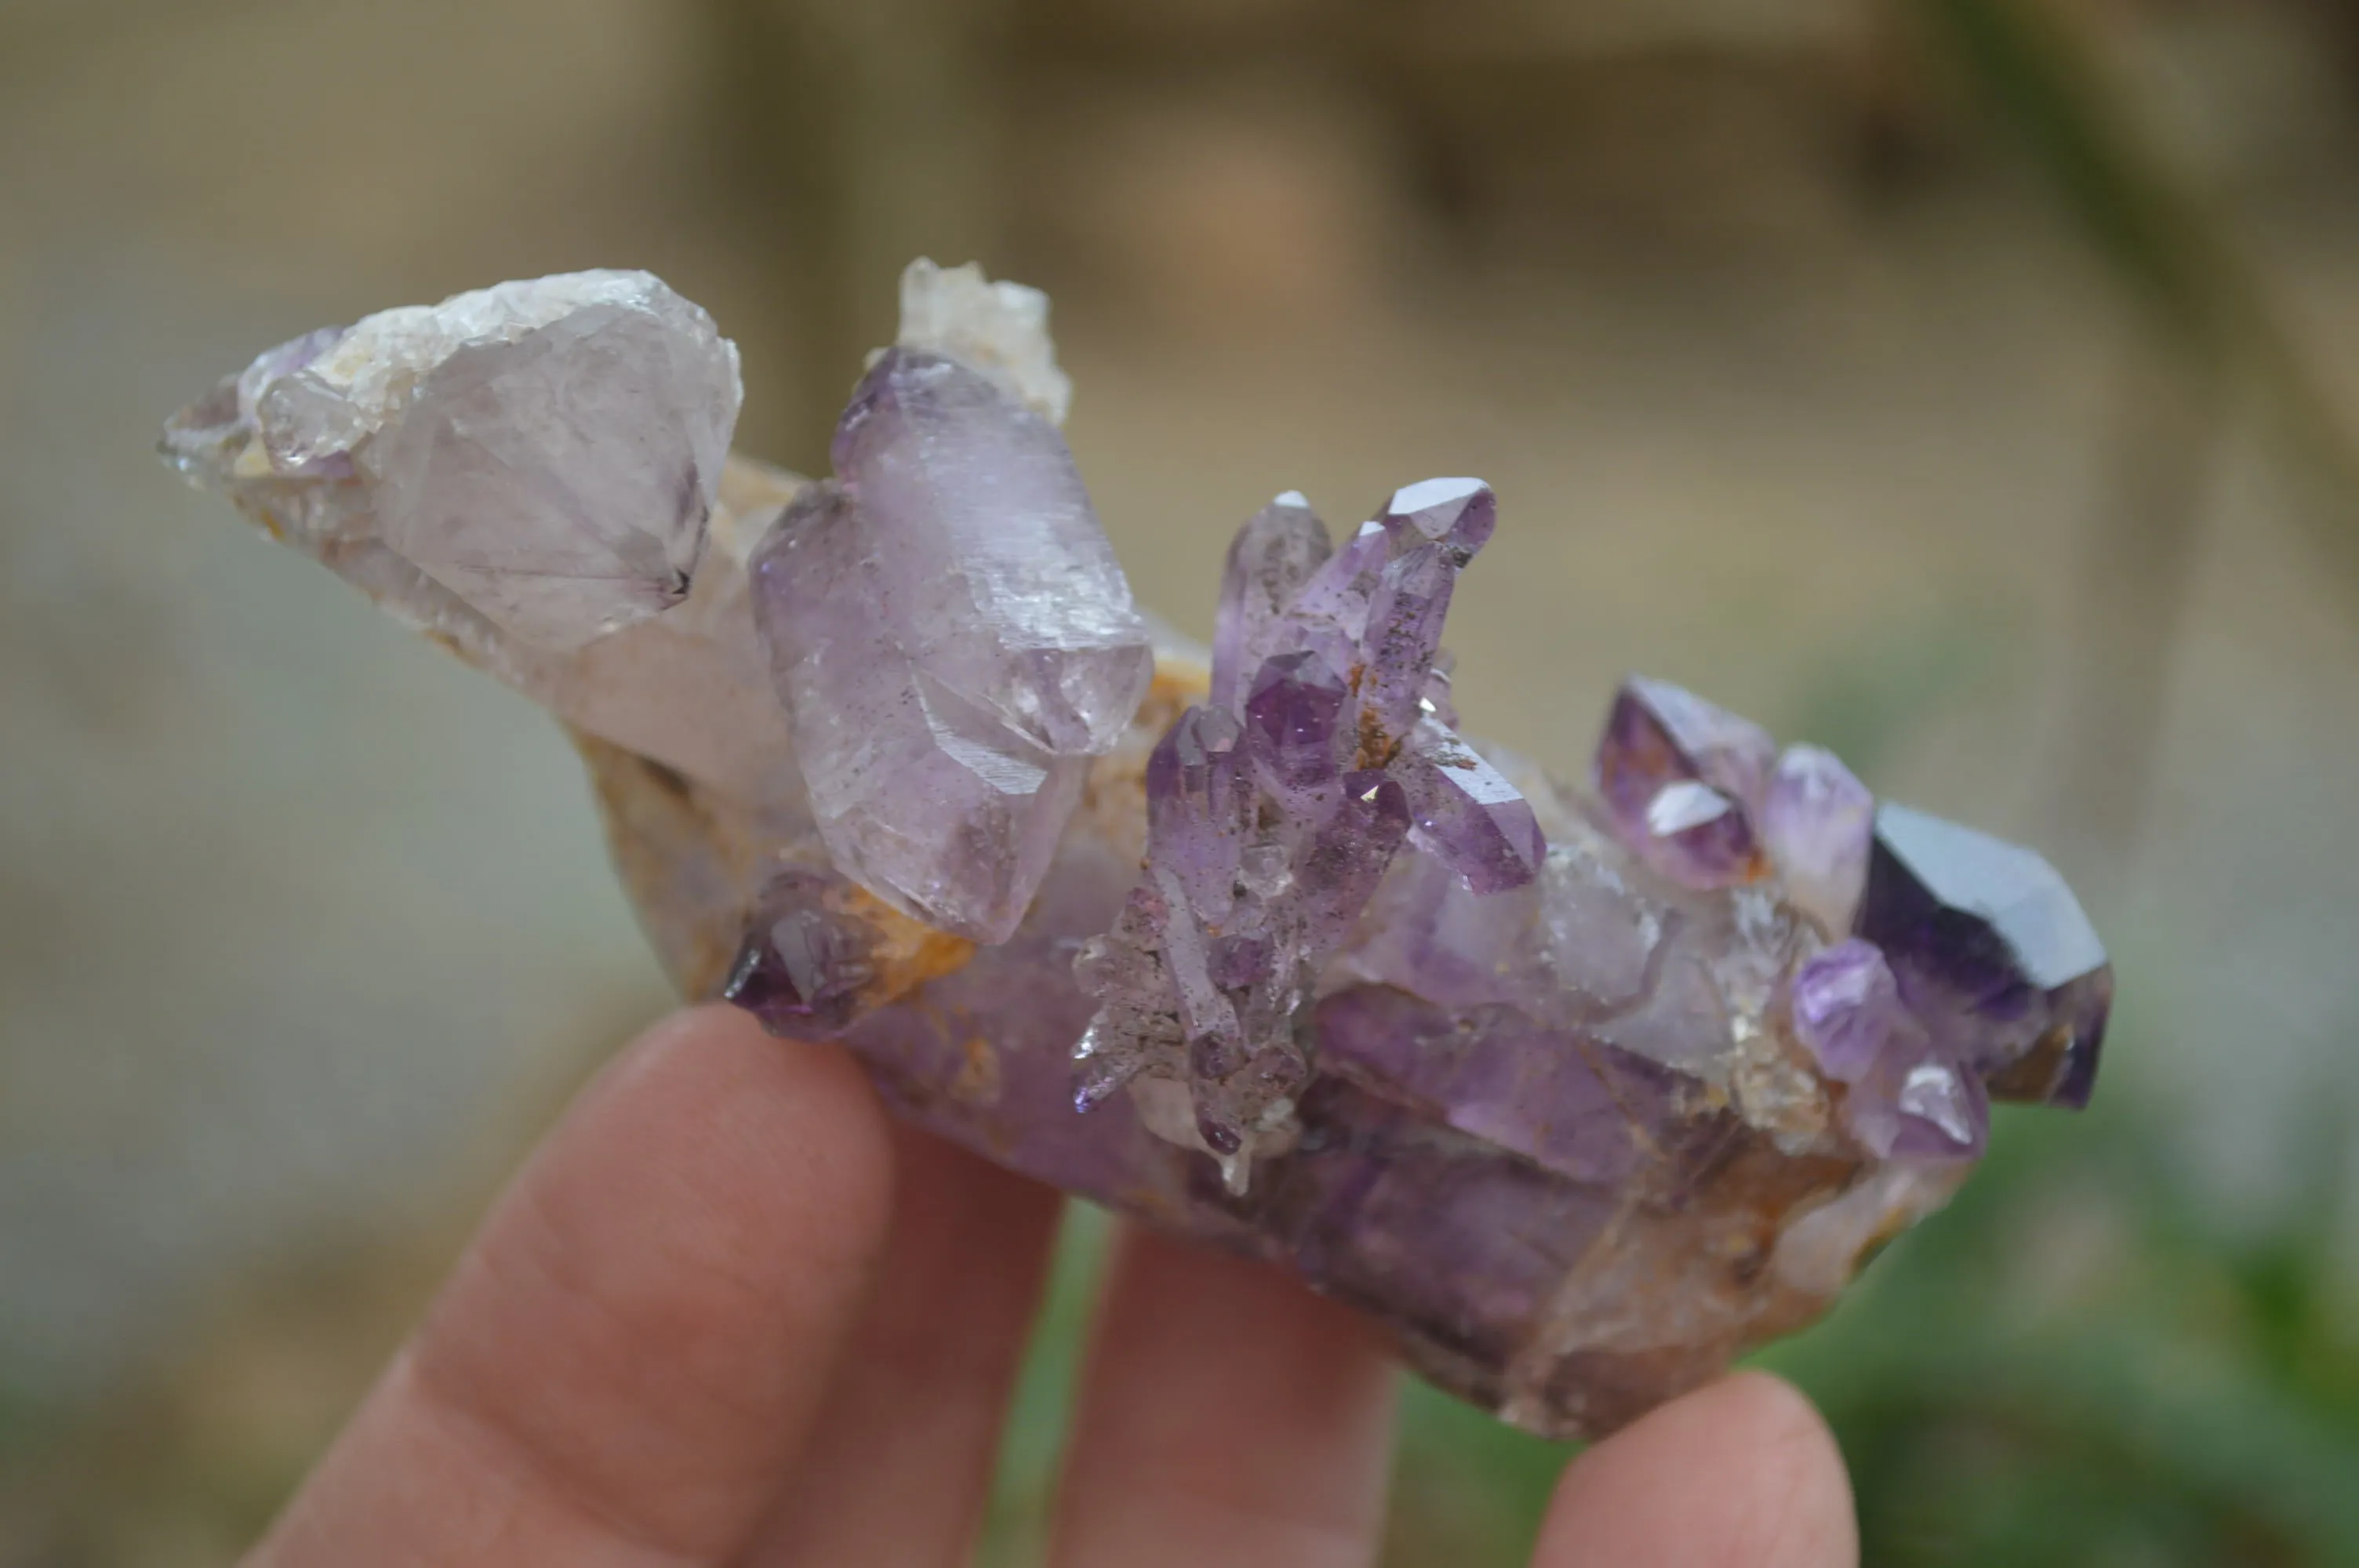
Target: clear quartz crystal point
[631,687]
[549,451]
[952,640]
[1466,815]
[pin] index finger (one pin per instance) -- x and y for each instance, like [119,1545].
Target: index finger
[632,1351]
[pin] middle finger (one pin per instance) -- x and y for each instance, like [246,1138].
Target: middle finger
[901,1456]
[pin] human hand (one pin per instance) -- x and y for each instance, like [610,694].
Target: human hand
[729,1314]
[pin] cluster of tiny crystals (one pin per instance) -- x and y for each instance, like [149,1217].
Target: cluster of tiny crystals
[1274,808]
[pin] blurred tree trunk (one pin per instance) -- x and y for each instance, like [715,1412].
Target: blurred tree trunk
[855,135]
[2137,564]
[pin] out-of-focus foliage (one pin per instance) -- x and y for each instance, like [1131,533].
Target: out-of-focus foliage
[2050,85]
[2073,1368]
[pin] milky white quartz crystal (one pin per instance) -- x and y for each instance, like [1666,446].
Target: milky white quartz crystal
[548,451]
[998,329]
[331,441]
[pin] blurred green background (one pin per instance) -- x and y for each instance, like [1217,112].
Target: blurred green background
[1968,385]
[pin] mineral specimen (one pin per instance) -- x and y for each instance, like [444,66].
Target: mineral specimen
[1580,1094]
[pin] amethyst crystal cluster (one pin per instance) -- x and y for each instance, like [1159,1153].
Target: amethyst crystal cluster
[1580,1092]
[1274,809]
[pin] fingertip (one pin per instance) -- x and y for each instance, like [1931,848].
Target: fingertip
[1743,1470]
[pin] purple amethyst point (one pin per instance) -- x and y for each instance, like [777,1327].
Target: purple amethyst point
[1668,732]
[803,964]
[1338,870]
[1992,951]
[1845,1007]
[953,641]
[1456,513]
[1698,836]
[1681,779]
[1466,815]
[1294,720]
[1907,1096]
[1943,1113]
[1198,803]
[998,579]
[1331,613]
[1270,560]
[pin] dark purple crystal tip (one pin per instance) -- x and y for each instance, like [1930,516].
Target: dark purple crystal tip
[1681,781]
[1992,951]
[803,964]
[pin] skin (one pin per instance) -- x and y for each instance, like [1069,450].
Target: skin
[729,1314]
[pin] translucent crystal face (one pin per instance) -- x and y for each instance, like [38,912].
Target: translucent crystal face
[1459,514]
[1818,819]
[1004,583]
[928,798]
[952,640]
[1904,1096]
[524,479]
[548,452]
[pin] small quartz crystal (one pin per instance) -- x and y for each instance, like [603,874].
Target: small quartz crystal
[1905,1095]
[805,963]
[1818,819]
[1684,779]
[998,328]
[548,452]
